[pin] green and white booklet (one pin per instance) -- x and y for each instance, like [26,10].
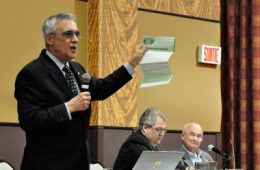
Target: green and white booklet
[155,66]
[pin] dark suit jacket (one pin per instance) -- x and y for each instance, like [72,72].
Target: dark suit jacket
[131,150]
[53,142]
[187,160]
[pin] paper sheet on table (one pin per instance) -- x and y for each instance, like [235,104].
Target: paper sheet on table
[155,66]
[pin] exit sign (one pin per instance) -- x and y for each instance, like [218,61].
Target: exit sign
[209,54]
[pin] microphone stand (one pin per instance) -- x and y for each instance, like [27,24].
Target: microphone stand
[225,158]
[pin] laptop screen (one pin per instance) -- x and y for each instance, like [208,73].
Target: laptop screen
[158,160]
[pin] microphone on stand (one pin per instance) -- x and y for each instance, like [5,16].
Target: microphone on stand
[216,150]
[85,79]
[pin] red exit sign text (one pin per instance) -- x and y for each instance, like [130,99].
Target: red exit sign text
[209,54]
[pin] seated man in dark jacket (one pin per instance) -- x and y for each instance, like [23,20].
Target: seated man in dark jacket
[152,127]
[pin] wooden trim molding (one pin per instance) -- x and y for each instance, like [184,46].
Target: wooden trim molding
[205,9]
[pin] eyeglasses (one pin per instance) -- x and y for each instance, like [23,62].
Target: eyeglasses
[69,34]
[192,135]
[159,130]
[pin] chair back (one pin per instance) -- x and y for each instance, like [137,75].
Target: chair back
[4,165]
[95,165]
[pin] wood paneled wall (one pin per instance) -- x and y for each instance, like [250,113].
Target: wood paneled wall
[113,34]
[112,37]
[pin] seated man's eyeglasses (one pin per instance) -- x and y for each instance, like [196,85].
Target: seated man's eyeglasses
[159,130]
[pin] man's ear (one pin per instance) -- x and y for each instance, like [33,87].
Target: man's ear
[49,39]
[144,128]
[182,136]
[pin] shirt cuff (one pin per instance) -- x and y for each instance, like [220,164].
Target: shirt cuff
[68,111]
[129,68]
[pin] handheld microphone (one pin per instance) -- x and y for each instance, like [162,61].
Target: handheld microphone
[85,79]
[216,150]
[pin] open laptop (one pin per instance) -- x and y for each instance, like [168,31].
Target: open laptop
[158,160]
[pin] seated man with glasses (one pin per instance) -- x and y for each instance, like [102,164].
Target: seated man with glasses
[152,127]
[192,136]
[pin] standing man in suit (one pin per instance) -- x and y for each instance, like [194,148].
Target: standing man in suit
[192,136]
[152,127]
[55,116]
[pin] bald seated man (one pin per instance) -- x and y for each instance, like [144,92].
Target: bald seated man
[192,136]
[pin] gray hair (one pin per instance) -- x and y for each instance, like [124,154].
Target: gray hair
[49,25]
[149,117]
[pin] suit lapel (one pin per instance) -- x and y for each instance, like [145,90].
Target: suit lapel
[186,157]
[55,73]
[188,161]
